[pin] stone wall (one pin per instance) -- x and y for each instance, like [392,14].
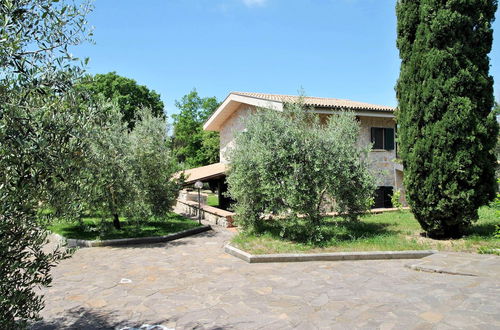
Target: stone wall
[212,215]
[232,125]
[382,160]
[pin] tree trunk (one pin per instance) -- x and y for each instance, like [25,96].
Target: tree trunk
[116,221]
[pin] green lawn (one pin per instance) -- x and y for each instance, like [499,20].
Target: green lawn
[213,200]
[93,228]
[383,232]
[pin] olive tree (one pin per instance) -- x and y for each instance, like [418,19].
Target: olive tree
[41,151]
[154,163]
[130,172]
[41,156]
[290,167]
[111,188]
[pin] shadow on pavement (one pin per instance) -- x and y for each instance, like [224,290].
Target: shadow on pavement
[79,318]
[84,319]
[174,243]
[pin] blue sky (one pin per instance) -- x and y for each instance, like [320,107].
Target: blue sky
[332,48]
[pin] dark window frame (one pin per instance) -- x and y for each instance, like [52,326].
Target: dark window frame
[381,133]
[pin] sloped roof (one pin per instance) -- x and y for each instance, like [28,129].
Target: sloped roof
[323,102]
[204,173]
[277,102]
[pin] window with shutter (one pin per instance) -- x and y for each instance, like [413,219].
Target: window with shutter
[389,138]
[382,138]
[378,138]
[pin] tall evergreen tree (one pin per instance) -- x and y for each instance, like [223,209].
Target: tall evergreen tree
[447,129]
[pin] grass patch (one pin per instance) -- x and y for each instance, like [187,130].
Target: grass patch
[213,200]
[94,228]
[376,232]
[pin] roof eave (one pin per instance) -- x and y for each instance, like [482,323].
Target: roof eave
[234,100]
[357,112]
[230,104]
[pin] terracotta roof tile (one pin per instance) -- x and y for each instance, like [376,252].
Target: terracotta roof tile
[320,102]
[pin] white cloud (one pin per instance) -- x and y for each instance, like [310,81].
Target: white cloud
[254,3]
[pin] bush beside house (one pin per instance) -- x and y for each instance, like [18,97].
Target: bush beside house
[290,167]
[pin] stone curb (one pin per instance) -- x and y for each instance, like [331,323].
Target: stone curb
[71,242]
[335,256]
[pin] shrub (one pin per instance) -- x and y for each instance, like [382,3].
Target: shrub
[292,168]
[396,199]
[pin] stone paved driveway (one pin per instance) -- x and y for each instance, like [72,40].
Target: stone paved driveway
[192,284]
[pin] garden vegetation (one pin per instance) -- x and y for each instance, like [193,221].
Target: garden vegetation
[447,130]
[129,96]
[290,167]
[128,173]
[63,151]
[192,145]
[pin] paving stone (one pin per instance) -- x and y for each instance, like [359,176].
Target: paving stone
[264,290]
[320,301]
[431,317]
[192,283]
[96,303]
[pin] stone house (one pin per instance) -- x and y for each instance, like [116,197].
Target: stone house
[377,127]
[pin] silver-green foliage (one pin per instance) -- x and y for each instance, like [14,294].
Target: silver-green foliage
[290,167]
[41,156]
[41,150]
[130,172]
[396,199]
[35,36]
[154,163]
[111,189]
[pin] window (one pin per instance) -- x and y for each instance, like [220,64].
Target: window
[382,138]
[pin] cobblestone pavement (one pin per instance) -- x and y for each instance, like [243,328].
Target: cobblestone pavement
[192,284]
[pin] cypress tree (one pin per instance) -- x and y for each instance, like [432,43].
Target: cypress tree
[447,131]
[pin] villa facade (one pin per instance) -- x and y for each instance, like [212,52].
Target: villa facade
[377,123]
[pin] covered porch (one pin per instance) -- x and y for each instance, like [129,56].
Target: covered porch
[213,176]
